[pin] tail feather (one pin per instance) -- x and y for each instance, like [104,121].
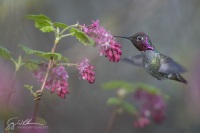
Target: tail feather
[178,78]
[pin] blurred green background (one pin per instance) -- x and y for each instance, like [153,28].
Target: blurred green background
[173,27]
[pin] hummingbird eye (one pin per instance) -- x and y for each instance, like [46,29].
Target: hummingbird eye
[139,38]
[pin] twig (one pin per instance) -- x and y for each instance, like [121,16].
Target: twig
[39,96]
[111,120]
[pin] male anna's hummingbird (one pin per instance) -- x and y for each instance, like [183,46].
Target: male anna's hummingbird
[156,64]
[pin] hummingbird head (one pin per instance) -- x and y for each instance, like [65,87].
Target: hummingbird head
[141,41]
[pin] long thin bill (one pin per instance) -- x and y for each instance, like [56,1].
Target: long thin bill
[122,37]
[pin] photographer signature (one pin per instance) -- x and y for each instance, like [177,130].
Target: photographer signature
[12,122]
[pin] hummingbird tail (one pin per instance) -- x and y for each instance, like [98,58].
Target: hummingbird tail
[178,78]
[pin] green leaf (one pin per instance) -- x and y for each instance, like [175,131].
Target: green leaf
[129,107]
[32,64]
[55,56]
[29,87]
[48,55]
[64,59]
[38,17]
[82,37]
[42,22]
[47,29]
[5,53]
[114,101]
[31,51]
[60,25]
[117,85]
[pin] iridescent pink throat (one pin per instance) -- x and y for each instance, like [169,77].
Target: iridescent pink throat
[146,45]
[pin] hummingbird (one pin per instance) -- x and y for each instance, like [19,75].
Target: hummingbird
[155,63]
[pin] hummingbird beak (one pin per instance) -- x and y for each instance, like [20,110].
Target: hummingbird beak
[122,37]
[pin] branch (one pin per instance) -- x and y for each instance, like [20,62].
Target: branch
[111,120]
[40,92]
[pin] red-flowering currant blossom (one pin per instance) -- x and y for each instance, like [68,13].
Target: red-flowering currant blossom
[56,81]
[141,122]
[104,41]
[152,105]
[86,71]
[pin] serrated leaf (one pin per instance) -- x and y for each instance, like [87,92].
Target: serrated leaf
[31,51]
[114,101]
[48,55]
[47,29]
[5,53]
[42,22]
[129,107]
[38,17]
[60,25]
[32,64]
[117,85]
[82,37]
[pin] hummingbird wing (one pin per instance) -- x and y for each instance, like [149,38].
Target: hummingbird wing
[168,65]
[136,60]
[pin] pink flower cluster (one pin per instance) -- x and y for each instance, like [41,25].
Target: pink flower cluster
[86,71]
[152,105]
[141,122]
[104,41]
[57,79]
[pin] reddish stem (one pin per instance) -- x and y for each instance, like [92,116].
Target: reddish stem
[111,120]
[37,101]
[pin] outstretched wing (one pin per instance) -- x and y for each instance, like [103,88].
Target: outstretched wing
[136,60]
[168,65]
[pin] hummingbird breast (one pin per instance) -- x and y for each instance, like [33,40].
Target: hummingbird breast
[151,63]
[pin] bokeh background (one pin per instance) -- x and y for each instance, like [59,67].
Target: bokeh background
[173,27]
